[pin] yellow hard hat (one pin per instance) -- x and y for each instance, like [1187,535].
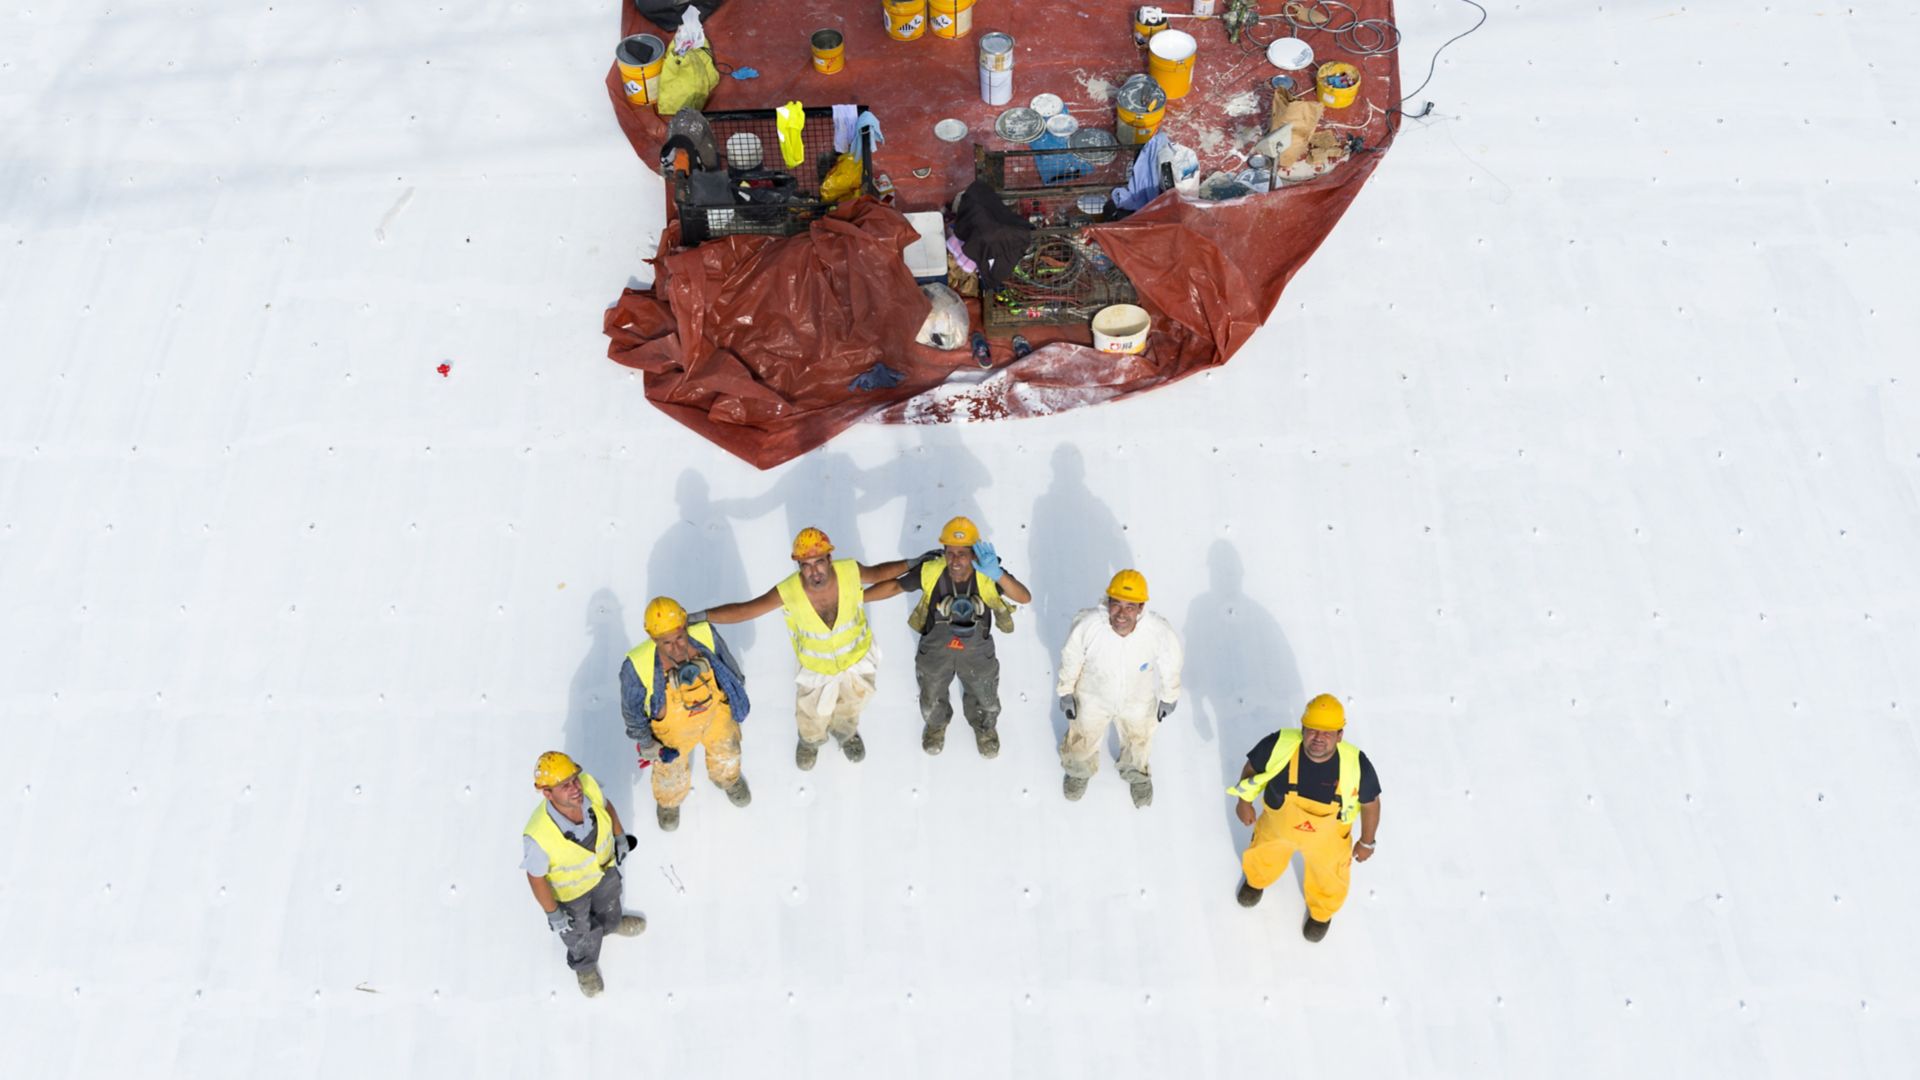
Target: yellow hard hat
[811,543]
[553,768]
[664,616]
[1324,713]
[960,532]
[1128,585]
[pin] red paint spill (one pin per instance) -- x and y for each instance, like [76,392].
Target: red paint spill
[444,370]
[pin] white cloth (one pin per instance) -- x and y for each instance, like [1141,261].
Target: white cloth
[1118,673]
[1080,748]
[826,705]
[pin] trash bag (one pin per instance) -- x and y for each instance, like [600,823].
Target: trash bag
[667,14]
[945,327]
[685,81]
[843,181]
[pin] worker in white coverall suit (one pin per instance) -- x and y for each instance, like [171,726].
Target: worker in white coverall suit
[1113,657]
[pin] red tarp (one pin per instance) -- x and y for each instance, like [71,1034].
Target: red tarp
[752,341]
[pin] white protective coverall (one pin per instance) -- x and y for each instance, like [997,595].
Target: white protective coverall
[1111,679]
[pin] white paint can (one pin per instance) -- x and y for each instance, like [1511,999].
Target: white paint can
[1121,328]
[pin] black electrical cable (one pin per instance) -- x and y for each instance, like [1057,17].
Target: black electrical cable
[1434,63]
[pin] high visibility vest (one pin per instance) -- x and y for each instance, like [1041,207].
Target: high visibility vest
[572,870]
[642,654]
[930,572]
[1286,750]
[827,651]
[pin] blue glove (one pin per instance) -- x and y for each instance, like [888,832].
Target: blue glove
[745,73]
[987,561]
[559,920]
[1068,705]
[668,755]
[1166,708]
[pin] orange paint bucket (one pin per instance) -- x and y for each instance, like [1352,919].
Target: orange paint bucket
[640,58]
[1170,61]
[905,20]
[829,51]
[950,18]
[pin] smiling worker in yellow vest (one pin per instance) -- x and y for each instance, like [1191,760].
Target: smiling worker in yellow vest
[824,600]
[1313,784]
[964,594]
[681,689]
[572,848]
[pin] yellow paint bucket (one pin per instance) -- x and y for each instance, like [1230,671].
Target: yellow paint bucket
[829,51]
[1170,61]
[905,20]
[640,58]
[951,18]
[1137,110]
[1339,84]
[1147,21]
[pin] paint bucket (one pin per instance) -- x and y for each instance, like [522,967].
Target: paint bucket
[1121,328]
[1147,21]
[1329,78]
[905,20]
[1289,53]
[640,58]
[1170,61]
[996,87]
[950,18]
[829,51]
[996,51]
[1137,110]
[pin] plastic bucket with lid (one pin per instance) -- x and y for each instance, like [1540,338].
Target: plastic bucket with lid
[1339,84]
[905,19]
[640,58]
[829,51]
[1137,110]
[1121,328]
[950,18]
[1170,61]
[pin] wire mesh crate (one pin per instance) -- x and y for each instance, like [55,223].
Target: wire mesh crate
[1056,184]
[1061,281]
[783,201]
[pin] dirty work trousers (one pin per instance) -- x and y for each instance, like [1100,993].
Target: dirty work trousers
[595,915]
[978,670]
[720,739]
[1313,829]
[826,705]
[1080,748]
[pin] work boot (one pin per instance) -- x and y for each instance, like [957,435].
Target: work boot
[933,739]
[982,355]
[738,794]
[1142,791]
[590,981]
[1074,787]
[1315,929]
[1021,347]
[667,816]
[988,742]
[805,754]
[631,925]
[1249,895]
[855,748]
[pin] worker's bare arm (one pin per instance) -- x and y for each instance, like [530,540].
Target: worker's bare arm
[882,590]
[873,575]
[745,609]
[1014,590]
[543,893]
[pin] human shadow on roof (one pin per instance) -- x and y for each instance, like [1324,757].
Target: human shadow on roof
[821,490]
[1241,677]
[1076,545]
[938,480]
[595,736]
[697,560]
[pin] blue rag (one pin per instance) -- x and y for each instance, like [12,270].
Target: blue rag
[745,73]
[870,124]
[1144,184]
[877,377]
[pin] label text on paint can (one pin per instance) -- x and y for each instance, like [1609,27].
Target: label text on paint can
[1205,8]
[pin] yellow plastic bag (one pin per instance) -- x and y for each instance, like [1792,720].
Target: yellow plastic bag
[790,120]
[686,81]
[843,180]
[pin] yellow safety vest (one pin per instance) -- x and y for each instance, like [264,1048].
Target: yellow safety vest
[930,572]
[1285,749]
[828,652]
[572,870]
[642,654]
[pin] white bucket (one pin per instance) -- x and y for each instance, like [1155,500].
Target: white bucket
[996,87]
[1121,328]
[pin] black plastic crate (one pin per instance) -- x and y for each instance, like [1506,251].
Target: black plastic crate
[749,142]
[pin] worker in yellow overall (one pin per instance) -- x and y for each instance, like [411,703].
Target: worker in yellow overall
[825,604]
[571,849]
[680,689]
[1313,784]
[964,594]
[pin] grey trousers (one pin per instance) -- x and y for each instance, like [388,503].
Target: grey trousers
[595,915]
[978,669]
